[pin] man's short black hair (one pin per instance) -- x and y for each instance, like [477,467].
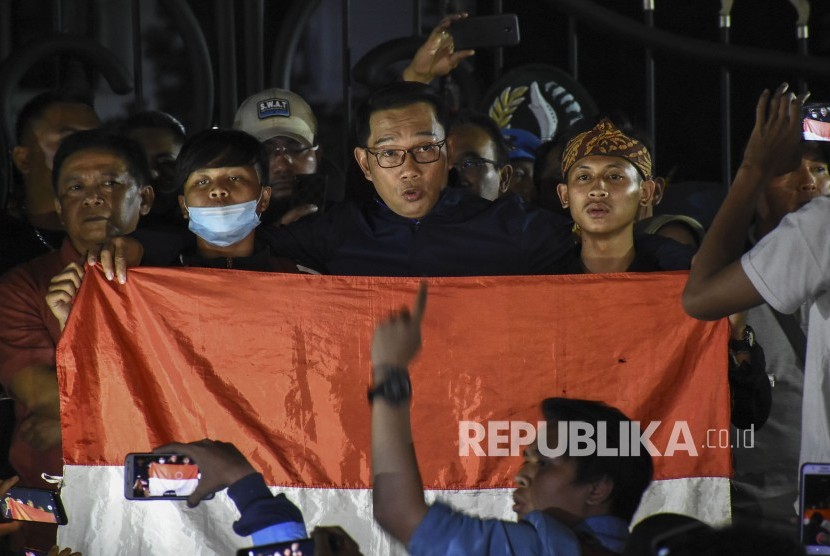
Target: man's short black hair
[630,474]
[36,106]
[155,120]
[486,124]
[396,95]
[220,148]
[100,139]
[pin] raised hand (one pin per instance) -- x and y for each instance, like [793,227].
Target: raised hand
[437,56]
[774,143]
[398,339]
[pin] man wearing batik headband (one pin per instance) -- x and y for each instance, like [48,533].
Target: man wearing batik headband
[608,177]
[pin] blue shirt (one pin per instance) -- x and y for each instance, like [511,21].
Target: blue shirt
[447,532]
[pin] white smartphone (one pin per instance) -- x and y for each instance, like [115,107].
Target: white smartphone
[815,507]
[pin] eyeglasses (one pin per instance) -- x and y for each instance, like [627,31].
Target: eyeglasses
[474,166]
[423,154]
[289,152]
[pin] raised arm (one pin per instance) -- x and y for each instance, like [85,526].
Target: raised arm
[437,56]
[398,493]
[718,285]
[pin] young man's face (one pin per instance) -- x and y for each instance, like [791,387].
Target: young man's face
[288,158]
[549,483]
[97,198]
[227,185]
[412,189]
[472,147]
[521,181]
[162,148]
[56,123]
[604,194]
[790,192]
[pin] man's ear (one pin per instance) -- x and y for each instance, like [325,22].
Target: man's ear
[600,491]
[450,148]
[505,174]
[183,207]
[148,195]
[362,158]
[659,190]
[58,209]
[646,192]
[20,156]
[264,200]
[562,191]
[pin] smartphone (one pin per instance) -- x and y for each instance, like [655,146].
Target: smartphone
[815,121]
[310,189]
[33,504]
[815,507]
[34,552]
[159,477]
[485,31]
[302,547]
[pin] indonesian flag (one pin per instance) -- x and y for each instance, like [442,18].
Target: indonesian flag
[167,479]
[280,365]
[815,130]
[21,511]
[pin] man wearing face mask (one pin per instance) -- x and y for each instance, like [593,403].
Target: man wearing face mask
[221,174]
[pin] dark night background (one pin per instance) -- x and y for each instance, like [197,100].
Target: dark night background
[611,69]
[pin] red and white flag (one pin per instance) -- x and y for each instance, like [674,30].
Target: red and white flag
[280,365]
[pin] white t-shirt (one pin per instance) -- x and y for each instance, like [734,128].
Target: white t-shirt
[788,267]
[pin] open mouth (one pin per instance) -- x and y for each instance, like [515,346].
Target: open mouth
[412,195]
[597,210]
[97,218]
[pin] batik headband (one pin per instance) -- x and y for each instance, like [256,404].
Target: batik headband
[606,140]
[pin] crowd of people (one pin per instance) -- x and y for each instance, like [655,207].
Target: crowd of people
[455,195]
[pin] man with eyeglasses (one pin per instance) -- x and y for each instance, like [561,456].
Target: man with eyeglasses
[285,124]
[480,155]
[416,225]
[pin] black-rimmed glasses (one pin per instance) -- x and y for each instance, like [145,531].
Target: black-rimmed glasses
[423,154]
[289,152]
[475,166]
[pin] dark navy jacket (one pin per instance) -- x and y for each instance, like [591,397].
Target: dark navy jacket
[463,235]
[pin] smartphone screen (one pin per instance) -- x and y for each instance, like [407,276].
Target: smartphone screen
[159,476]
[486,31]
[815,121]
[33,504]
[815,508]
[303,547]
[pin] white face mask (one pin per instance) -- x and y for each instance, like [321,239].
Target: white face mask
[224,226]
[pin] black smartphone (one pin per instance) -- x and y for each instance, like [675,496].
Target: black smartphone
[150,476]
[815,507]
[815,121]
[310,189]
[485,31]
[33,504]
[302,547]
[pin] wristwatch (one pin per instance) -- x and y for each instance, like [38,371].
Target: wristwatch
[396,389]
[745,343]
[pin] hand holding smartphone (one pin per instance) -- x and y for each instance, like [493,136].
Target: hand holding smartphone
[33,504]
[485,32]
[815,507]
[152,476]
